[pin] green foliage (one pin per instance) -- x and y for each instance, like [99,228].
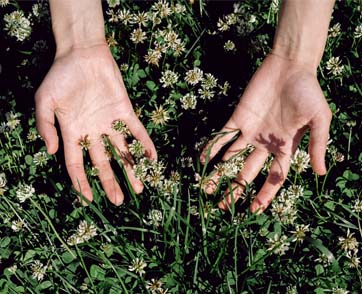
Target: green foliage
[176,238]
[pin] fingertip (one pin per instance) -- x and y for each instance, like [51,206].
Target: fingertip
[257,208]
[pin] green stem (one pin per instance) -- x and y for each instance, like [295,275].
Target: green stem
[53,228]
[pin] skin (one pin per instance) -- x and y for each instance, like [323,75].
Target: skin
[281,102]
[84,89]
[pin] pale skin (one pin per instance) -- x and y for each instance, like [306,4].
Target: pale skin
[85,92]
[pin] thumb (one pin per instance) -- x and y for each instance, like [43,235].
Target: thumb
[44,113]
[319,129]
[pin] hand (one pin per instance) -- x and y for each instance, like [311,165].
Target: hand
[85,91]
[282,100]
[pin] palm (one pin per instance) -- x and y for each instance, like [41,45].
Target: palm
[85,91]
[279,104]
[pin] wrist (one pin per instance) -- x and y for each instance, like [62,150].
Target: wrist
[77,24]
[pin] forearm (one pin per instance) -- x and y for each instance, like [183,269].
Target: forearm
[77,23]
[302,30]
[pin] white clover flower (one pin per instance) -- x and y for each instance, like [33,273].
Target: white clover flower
[114,17]
[113,3]
[136,149]
[275,5]
[3,183]
[138,36]
[40,158]
[141,18]
[153,56]
[17,25]
[138,266]
[231,19]
[154,286]
[168,78]
[194,76]
[39,270]
[358,31]
[155,178]
[121,127]
[206,94]
[125,16]
[155,216]
[325,260]
[12,120]
[222,25]
[300,161]
[357,206]
[299,233]
[3,3]
[24,192]
[13,268]
[86,231]
[335,30]
[354,260]
[17,225]
[162,8]
[278,244]
[179,8]
[188,101]
[209,81]
[229,45]
[160,116]
[349,242]
[334,66]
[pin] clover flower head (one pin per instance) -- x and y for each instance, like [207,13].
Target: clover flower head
[278,244]
[38,270]
[138,265]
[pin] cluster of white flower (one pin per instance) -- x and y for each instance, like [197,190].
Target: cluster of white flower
[168,78]
[231,168]
[39,270]
[357,206]
[24,192]
[12,121]
[229,45]
[299,233]
[278,244]
[136,149]
[40,158]
[194,76]
[224,23]
[334,66]
[349,245]
[284,206]
[160,115]
[3,183]
[335,30]
[17,225]
[154,218]
[138,265]
[83,234]
[358,31]
[17,25]
[155,287]
[188,101]
[300,161]
[3,3]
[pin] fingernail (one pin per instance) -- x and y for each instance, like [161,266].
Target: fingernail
[258,209]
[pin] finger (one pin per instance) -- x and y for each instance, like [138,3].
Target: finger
[319,129]
[221,139]
[252,166]
[120,144]
[139,132]
[45,124]
[277,175]
[74,162]
[212,183]
[236,147]
[106,176]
